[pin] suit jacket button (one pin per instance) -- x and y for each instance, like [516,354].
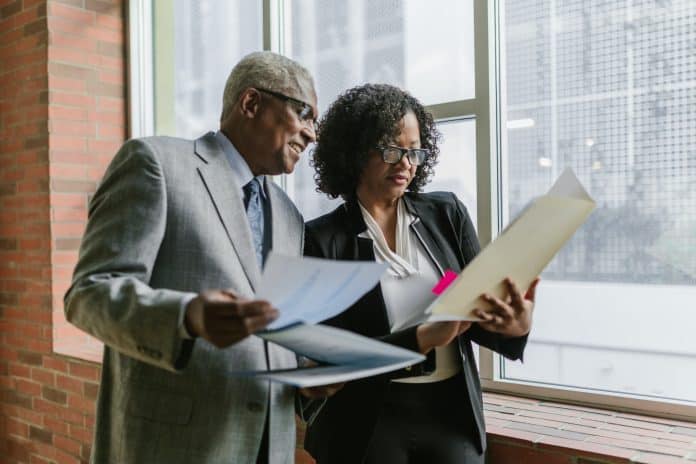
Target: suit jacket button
[254,406]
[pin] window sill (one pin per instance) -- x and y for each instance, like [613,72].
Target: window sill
[529,431]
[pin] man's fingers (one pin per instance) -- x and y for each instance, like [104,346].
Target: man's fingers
[255,323]
[255,308]
[240,309]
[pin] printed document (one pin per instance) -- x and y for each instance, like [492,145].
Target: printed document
[520,252]
[345,355]
[312,290]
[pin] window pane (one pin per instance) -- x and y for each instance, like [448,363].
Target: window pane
[196,46]
[425,47]
[417,46]
[302,189]
[456,167]
[608,88]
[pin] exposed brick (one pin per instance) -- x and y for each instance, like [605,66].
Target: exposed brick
[44,436]
[71,2]
[7,298]
[104,7]
[70,71]
[91,390]
[18,450]
[54,395]
[73,186]
[55,364]
[36,142]
[10,9]
[110,49]
[8,243]
[16,398]
[84,371]
[27,387]
[69,384]
[68,244]
[34,359]
[35,27]
[67,444]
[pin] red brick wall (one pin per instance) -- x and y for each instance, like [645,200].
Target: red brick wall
[86,75]
[62,114]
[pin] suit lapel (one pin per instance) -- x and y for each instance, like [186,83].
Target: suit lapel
[285,226]
[226,196]
[433,241]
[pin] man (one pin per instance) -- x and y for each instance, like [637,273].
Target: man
[174,245]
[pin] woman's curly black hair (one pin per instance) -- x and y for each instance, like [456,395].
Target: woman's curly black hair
[358,121]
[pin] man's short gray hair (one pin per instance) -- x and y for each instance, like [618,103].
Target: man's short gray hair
[266,70]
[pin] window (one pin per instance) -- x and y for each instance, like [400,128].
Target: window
[190,75]
[346,44]
[607,89]
[520,91]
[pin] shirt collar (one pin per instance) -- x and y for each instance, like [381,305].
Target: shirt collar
[240,169]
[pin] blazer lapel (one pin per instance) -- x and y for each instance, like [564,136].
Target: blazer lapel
[434,243]
[226,196]
[286,227]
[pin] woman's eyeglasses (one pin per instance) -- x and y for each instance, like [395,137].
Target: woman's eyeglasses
[393,155]
[304,110]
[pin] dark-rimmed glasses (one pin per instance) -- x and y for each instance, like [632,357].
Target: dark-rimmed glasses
[304,110]
[392,154]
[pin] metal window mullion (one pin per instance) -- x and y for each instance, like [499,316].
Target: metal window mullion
[487,136]
[273,14]
[273,20]
[140,69]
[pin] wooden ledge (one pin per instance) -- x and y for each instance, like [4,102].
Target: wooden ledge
[522,430]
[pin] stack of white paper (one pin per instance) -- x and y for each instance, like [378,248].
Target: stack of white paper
[307,291]
[349,356]
[310,290]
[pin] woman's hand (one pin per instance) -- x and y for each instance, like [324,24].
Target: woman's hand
[513,317]
[434,334]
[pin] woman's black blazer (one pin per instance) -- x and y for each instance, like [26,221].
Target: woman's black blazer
[341,430]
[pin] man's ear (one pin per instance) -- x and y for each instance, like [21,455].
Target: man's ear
[250,102]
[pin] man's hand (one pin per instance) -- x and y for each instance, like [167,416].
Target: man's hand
[223,319]
[513,317]
[434,334]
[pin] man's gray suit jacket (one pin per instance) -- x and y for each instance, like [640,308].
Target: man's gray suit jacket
[166,221]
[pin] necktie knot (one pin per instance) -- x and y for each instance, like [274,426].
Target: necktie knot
[251,192]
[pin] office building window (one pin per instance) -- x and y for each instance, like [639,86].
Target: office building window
[196,44]
[522,91]
[608,88]
[424,47]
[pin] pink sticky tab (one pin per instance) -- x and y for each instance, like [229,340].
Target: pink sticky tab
[445,282]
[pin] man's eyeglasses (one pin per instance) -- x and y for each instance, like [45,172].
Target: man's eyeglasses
[393,155]
[304,110]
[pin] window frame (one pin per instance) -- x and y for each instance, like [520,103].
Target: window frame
[490,49]
[486,108]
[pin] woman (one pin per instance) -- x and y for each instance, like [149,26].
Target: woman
[377,148]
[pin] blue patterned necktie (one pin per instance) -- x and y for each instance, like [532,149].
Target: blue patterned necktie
[254,210]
